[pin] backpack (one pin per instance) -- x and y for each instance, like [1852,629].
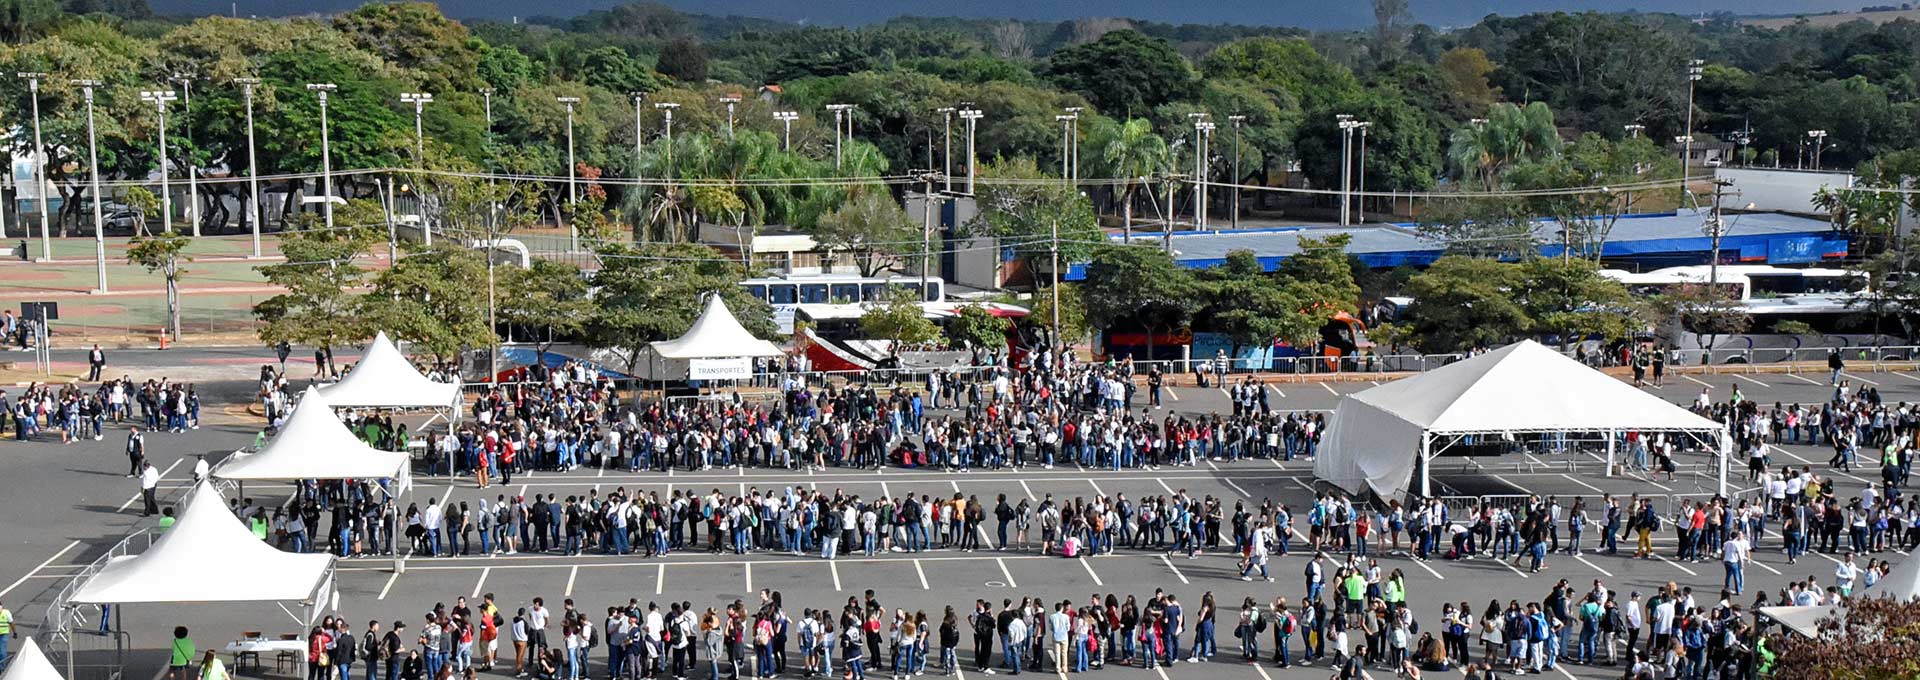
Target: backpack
[1259,624]
[1287,623]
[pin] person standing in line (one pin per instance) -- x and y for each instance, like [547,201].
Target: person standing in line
[136,450]
[180,655]
[6,631]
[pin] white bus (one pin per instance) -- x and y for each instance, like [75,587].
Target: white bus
[787,293]
[1826,300]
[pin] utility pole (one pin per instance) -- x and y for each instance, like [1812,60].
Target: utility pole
[40,162]
[159,99]
[193,175]
[326,154]
[972,116]
[93,173]
[730,100]
[786,119]
[1346,163]
[1073,135]
[1362,173]
[1066,146]
[419,100]
[639,138]
[842,115]
[493,203]
[946,140]
[573,191]
[1200,125]
[1166,236]
[1819,138]
[1695,68]
[926,233]
[255,213]
[1237,177]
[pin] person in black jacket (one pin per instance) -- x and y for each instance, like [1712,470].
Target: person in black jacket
[983,630]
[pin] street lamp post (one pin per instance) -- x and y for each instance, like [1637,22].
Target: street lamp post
[666,109]
[419,100]
[254,213]
[39,166]
[1363,126]
[1695,68]
[320,90]
[946,140]
[1199,119]
[1074,135]
[493,204]
[1633,129]
[1346,165]
[730,101]
[159,99]
[1819,138]
[1237,177]
[573,193]
[193,177]
[786,119]
[93,176]
[972,116]
[841,112]
[1066,144]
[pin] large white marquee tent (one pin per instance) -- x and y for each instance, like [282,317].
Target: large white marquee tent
[314,444]
[715,347]
[209,556]
[1381,437]
[384,378]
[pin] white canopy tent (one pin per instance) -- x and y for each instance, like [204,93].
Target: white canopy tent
[1902,583]
[209,556]
[1380,437]
[30,664]
[716,346]
[384,378]
[314,444]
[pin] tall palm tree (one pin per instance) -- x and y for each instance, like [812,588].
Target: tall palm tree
[1132,153]
[1509,135]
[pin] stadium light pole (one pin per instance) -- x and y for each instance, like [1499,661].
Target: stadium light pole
[39,166]
[1074,147]
[1819,138]
[730,101]
[841,113]
[93,175]
[972,116]
[1237,120]
[254,212]
[946,141]
[573,192]
[320,90]
[786,119]
[193,178]
[1346,164]
[159,99]
[1695,68]
[1199,118]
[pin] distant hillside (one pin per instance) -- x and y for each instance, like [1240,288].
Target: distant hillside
[1836,18]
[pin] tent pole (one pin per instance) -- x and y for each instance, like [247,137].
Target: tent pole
[1426,462]
[1726,449]
[399,565]
[1611,436]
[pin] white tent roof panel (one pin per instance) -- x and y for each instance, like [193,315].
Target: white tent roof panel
[715,335]
[30,664]
[314,444]
[208,556]
[384,378]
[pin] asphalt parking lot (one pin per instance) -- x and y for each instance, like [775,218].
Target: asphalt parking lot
[64,504]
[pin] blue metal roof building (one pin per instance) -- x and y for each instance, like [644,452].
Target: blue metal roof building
[1650,240]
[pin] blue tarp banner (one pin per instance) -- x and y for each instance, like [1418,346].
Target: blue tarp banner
[1792,250]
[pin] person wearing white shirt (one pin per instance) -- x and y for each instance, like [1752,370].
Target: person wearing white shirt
[1636,619]
[1844,575]
[1733,556]
[149,480]
[432,519]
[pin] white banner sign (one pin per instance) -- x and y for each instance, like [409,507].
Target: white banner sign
[720,369]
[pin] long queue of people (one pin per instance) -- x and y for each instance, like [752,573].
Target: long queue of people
[1364,621]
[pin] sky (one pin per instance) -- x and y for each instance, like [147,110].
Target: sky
[1313,14]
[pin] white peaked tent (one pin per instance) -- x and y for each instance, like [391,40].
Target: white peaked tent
[210,556]
[715,337]
[384,378]
[314,444]
[1380,437]
[1901,583]
[30,664]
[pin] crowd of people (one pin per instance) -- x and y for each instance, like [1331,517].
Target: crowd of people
[79,413]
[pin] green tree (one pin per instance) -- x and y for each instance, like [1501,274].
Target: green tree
[1072,312]
[654,291]
[900,320]
[683,59]
[1569,299]
[1131,152]
[1023,209]
[1595,164]
[322,278]
[1481,152]
[1321,277]
[1467,70]
[548,298]
[1461,303]
[1124,73]
[1254,309]
[1705,311]
[1495,226]
[162,253]
[872,227]
[1290,64]
[974,326]
[427,298]
[1403,150]
[1138,286]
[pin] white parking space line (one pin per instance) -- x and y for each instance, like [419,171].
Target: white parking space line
[23,577]
[1096,487]
[1649,480]
[1763,565]
[1563,671]
[1674,564]
[1283,395]
[834,568]
[749,574]
[573,574]
[1004,571]
[1263,672]
[1236,487]
[1508,482]
[922,573]
[1509,565]
[1697,380]
[388,586]
[482,582]
[1163,485]
[1576,480]
[1330,389]
[1856,377]
[1172,392]
[1029,490]
[660,579]
[1751,380]
[1430,570]
[1089,566]
[1176,570]
[1596,567]
[1804,379]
